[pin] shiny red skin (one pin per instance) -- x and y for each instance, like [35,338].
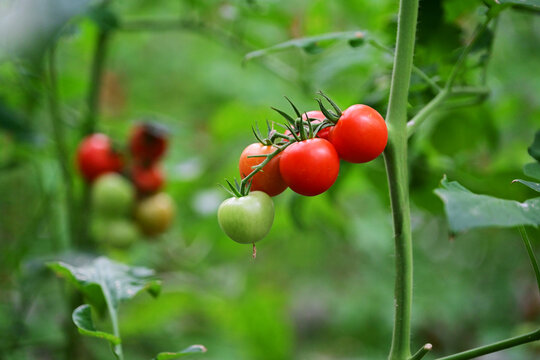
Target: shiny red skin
[309,167]
[148,142]
[360,134]
[147,179]
[324,133]
[268,180]
[95,157]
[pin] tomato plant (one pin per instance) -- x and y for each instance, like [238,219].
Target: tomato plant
[310,167]
[247,219]
[96,156]
[360,134]
[147,179]
[155,213]
[112,195]
[268,180]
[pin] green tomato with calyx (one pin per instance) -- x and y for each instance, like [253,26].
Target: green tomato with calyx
[247,219]
[113,195]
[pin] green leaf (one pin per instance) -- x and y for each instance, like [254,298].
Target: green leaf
[104,281]
[532,170]
[466,210]
[312,44]
[193,349]
[534,149]
[530,184]
[527,4]
[82,317]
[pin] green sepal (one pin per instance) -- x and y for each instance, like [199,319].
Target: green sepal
[296,111]
[327,113]
[287,117]
[334,105]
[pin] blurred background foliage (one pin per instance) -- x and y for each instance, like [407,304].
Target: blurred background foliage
[322,284]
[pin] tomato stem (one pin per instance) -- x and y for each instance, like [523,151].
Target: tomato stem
[259,167]
[497,346]
[422,352]
[395,156]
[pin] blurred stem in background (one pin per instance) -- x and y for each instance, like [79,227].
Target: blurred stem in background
[60,142]
[90,125]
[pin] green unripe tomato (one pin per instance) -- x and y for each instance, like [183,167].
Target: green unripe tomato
[247,219]
[113,195]
[119,233]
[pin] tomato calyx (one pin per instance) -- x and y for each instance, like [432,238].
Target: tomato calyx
[331,116]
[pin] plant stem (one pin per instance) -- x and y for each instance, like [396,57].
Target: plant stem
[449,88]
[395,156]
[437,101]
[426,111]
[434,86]
[62,152]
[118,351]
[422,352]
[96,73]
[498,346]
[530,251]
[267,159]
[89,125]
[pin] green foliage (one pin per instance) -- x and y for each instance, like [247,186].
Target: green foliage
[534,149]
[82,317]
[106,283]
[466,210]
[312,44]
[529,184]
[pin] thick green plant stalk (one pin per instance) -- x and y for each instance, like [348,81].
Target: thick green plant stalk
[395,157]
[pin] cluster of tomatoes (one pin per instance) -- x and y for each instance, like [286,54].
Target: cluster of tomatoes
[126,185]
[304,158]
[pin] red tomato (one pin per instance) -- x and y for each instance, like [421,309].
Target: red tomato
[148,142]
[324,133]
[309,167]
[360,134]
[269,179]
[147,179]
[96,157]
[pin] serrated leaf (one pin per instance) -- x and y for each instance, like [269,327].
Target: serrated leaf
[529,184]
[104,281]
[534,149]
[466,210]
[532,170]
[310,44]
[193,349]
[528,4]
[82,317]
